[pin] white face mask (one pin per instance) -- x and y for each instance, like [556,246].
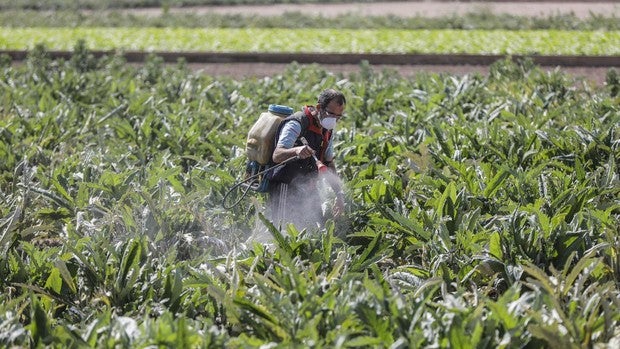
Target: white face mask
[329,122]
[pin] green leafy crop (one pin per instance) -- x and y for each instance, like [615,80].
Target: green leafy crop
[482,210]
[548,42]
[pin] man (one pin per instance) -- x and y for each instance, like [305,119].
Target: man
[294,188]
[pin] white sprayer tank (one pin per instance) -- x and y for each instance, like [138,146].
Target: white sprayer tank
[259,145]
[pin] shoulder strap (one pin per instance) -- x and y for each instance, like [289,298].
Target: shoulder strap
[327,135]
[312,126]
[310,123]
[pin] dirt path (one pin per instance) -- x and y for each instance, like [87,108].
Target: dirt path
[593,76]
[412,8]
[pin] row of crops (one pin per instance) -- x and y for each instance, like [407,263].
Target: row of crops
[482,211]
[548,42]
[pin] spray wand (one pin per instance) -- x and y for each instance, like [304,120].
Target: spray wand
[339,208]
[320,165]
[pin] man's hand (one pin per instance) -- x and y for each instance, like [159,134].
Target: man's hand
[304,151]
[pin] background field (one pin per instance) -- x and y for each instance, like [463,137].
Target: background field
[548,42]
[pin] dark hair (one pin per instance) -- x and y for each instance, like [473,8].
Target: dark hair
[331,95]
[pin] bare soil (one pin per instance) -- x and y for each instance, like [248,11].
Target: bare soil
[590,75]
[583,9]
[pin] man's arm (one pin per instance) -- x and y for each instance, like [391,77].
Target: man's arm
[285,148]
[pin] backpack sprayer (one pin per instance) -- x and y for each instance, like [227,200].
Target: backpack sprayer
[259,148]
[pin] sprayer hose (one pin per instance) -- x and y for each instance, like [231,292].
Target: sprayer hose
[251,178]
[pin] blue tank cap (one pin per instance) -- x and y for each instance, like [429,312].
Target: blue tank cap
[280,109]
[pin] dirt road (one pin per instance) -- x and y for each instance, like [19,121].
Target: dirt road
[583,9]
[593,76]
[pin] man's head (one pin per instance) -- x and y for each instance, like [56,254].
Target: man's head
[329,95]
[331,105]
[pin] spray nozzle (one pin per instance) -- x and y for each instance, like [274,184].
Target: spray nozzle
[319,164]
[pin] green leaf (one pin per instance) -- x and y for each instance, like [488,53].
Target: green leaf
[495,246]
[66,275]
[129,266]
[54,281]
[406,224]
[369,255]
[457,336]
[496,182]
[551,336]
[365,342]
[277,235]
[327,242]
[338,265]
[40,326]
[263,313]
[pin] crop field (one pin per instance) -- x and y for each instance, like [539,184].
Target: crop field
[319,40]
[482,211]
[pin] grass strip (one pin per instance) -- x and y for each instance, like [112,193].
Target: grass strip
[547,42]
